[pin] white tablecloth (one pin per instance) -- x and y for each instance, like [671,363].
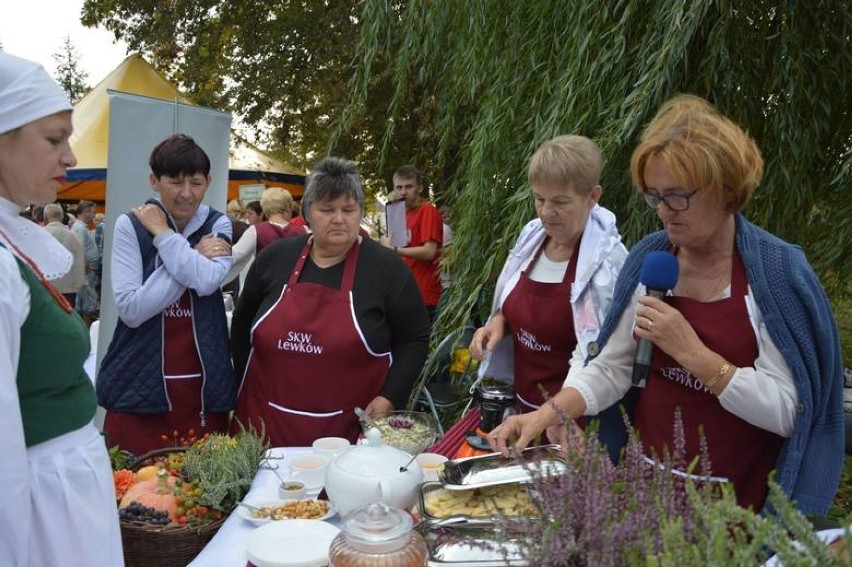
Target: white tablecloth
[227,548]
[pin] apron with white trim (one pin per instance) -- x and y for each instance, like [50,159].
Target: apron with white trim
[310,365]
[541,320]
[740,452]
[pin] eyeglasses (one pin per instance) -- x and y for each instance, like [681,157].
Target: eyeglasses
[674,201]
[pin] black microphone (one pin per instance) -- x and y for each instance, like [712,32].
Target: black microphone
[659,275]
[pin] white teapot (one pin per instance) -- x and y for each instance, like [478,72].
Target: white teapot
[372,472]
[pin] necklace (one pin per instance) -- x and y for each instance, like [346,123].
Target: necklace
[54,293]
[693,291]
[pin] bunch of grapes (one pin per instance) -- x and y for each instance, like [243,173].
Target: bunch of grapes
[137,512]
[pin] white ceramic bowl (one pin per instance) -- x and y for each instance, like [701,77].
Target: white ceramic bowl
[291,543]
[330,447]
[431,465]
[292,490]
[309,468]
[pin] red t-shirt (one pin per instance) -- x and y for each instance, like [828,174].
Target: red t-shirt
[424,224]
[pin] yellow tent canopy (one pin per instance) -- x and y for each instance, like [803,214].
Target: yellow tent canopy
[248,164]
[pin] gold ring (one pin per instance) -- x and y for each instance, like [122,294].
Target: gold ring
[650,323]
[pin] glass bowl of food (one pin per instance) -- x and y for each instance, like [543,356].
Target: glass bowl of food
[410,431]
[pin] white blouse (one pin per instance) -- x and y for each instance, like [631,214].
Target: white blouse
[763,395]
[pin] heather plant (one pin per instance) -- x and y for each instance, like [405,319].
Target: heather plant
[644,512]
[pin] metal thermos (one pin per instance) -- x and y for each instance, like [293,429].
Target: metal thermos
[495,404]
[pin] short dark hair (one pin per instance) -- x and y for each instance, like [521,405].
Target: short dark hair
[255,206]
[84,206]
[178,155]
[330,179]
[409,172]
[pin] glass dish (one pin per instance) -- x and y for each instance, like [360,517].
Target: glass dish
[473,543]
[409,431]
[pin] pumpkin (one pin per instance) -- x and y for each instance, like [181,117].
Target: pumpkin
[157,493]
[147,473]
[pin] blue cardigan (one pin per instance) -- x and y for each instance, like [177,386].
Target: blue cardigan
[801,324]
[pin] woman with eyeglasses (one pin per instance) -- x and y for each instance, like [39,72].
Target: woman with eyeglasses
[745,343]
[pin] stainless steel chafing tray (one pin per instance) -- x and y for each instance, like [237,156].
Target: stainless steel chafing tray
[436,503]
[493,469]
[471,543]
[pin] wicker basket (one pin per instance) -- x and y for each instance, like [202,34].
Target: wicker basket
[162,546]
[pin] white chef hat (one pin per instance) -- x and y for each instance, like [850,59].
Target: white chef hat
[27,93]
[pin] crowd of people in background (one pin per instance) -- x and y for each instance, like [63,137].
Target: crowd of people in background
[277,214]
[82,222]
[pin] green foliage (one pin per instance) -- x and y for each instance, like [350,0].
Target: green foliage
[494,79]
[283,66]
[224,467]
[843,314]
[118,458]
[69,75]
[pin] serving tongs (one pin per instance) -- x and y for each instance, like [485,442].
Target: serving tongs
[365,419]
[494,469]
[368,421]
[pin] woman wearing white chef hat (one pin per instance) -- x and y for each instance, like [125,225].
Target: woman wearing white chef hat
[57,504]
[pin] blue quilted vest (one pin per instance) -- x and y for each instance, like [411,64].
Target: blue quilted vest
[131,374]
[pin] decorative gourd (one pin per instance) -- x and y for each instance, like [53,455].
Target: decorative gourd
[147,473]
[157,493]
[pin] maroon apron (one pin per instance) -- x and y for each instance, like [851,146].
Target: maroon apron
[182,372]
[268,232]
[541,320]
[740,452]
[309,365]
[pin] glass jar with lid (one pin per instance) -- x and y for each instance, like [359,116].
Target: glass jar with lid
[378,536]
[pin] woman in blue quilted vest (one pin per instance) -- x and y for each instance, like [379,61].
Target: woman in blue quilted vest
[57,502]
[168,368]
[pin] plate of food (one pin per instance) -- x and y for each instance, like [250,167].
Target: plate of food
[264,512]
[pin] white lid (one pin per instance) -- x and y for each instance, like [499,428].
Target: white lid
[291,543]
[373,459]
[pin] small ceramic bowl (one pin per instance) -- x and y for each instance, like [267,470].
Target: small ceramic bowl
[330,446]
[431,465]
[291,490]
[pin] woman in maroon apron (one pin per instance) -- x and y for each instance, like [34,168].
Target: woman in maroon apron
[553,292]
[346,329]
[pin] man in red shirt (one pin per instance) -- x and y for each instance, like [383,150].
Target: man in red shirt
[425,235]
